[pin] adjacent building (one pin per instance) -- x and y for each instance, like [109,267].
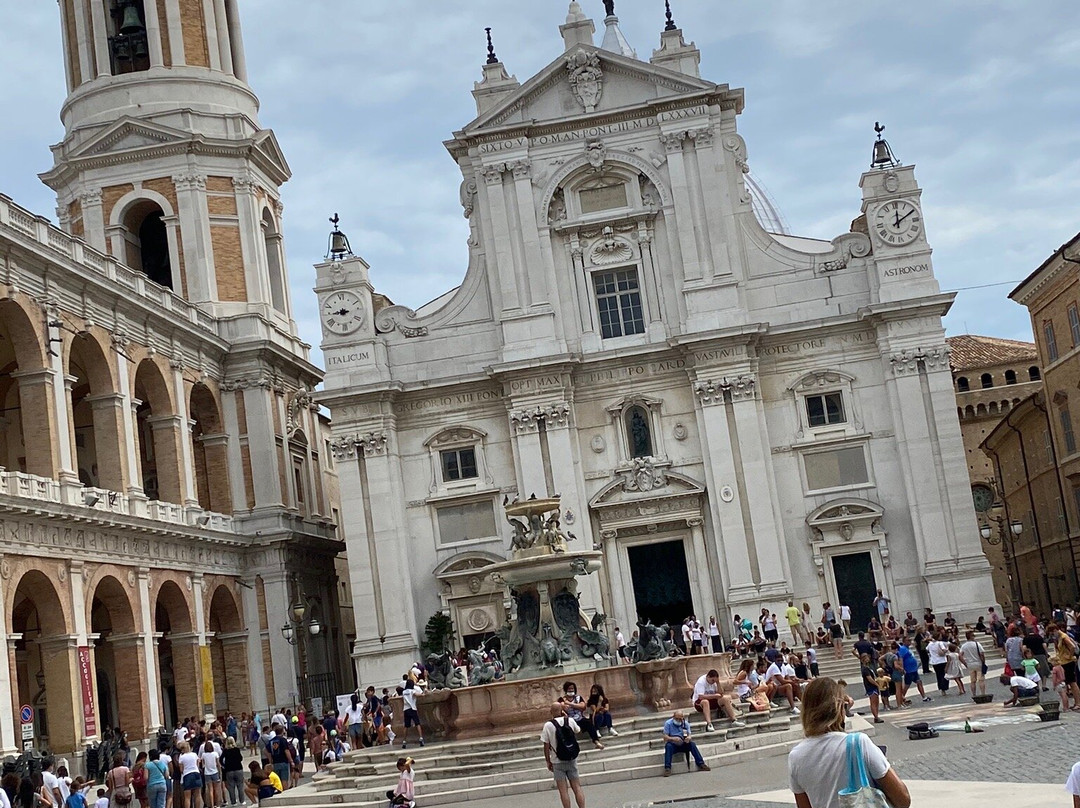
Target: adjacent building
[734,415]
[167,534]
[1051,295]
[991,376]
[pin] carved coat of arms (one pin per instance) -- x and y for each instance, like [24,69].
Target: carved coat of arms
[586,78]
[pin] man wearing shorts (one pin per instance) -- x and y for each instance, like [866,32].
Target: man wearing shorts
[707,699]
[409,692]
[911,675]
[565,772]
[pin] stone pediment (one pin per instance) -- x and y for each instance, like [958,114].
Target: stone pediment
[589,80]
[129,134]
[646,482]
[848,509]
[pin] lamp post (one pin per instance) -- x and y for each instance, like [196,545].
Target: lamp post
[1003,537]
[294,631]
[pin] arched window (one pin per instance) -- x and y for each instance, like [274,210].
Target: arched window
[638,432]
[962,384]
[274,263]
[147,242]
[1010,377]
[1034,374]
[987,381]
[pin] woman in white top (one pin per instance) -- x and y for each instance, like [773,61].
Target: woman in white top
[191,776]
[818,767]
[939,660]
[714,636]
[210,759]
[743,685]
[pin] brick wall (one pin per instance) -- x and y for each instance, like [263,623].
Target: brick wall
[229,263]
[163,24]
[193,24]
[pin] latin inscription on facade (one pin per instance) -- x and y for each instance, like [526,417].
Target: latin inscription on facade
[344,360]
[447,402]
[911,269]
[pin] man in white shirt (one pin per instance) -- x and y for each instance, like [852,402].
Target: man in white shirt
[1072,785]
[620,644]
[52,785]
[1021,687]
[565,772]
[971,654]
[409,692]
[695,637]
[707,699]
[779,686]
[180,734]
[845,618]
[279,718]
[687,638]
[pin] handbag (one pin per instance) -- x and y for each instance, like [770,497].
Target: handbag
[860,791]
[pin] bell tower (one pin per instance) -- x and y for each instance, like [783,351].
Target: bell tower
[163,162]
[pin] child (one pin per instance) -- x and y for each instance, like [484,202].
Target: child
[1057,676]
[102,800]
[884,683]
[954,668]
[1030,666]
[848,701]
[76,799]
[403,792]
[811,659]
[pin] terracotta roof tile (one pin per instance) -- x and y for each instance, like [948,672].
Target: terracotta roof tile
[969,351]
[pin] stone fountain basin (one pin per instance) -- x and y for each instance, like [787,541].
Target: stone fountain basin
[530,506]
[528,568]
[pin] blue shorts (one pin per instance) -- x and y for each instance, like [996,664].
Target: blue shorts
[911,678]
[871,691]
[192,782]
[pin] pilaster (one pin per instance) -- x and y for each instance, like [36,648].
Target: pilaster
[153,678]
[680,189]
[7,716]
[278,602]
[262,446]
[507,275]
[253,646]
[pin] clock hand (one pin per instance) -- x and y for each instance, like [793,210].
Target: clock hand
[896,218]
[340,312]
[904,216]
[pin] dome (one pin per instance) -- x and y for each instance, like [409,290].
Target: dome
[768,215]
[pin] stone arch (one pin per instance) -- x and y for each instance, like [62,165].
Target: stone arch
[614,159]
[27,405]
[209,450]
[119,653]
[473,601]
[228,651]
[178,652]
[142,236]
[45,657]
[160,434]
[97,414]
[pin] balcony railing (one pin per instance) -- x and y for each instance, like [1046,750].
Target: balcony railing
[43,489]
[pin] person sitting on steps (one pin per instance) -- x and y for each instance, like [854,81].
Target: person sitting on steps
[677,739]
[707,698]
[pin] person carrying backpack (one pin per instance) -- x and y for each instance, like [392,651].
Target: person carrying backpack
[561,749]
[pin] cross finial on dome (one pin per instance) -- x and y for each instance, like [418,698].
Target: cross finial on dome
[670,26]
[492,59]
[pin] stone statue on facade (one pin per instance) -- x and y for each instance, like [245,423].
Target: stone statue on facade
[652,641]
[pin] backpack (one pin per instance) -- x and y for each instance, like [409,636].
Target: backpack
[566,745]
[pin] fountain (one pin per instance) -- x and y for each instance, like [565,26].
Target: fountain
[549,632]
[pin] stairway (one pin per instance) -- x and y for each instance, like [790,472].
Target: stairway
[451,772]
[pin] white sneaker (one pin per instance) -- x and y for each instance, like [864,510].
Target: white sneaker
[794,710]
[709,728]
[738,724]
[613,731]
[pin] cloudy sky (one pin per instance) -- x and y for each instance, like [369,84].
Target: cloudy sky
[982,96]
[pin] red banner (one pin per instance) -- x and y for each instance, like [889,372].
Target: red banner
[86,677]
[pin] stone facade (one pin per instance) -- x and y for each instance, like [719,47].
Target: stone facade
[1052,296]
[162,502]
[735,417]
[991,376]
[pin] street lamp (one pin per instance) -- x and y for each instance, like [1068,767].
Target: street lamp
[288,631]
[1003,537]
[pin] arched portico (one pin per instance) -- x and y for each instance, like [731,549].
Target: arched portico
[119,657]
[178,653]
[228,652]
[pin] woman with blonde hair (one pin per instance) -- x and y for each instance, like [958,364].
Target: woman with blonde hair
[818,766]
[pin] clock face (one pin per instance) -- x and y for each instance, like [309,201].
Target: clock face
[983,496]
[898,222]
[342,313]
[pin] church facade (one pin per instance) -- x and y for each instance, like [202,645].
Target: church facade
[735,417]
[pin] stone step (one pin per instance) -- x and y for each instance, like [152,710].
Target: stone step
[516,759]
[593,772]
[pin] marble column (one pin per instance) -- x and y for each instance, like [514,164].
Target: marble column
[283,655]
[153,671]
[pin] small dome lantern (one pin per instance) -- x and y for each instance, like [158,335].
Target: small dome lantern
[337,246]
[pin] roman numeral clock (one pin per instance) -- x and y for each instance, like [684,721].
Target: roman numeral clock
[342,313]
[898,222]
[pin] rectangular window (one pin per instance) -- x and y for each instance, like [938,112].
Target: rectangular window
[606,197]
[1067,430]
[1048,446]
[473,520]
[328,454]
[1060,514]
[837,468]
[1076,502]
[618,301]
[458,464]
[825,409]
[1051,341]
[1074,324]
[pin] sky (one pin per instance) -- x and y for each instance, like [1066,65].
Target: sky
[982,97]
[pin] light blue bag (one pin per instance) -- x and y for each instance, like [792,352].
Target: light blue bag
[860,791]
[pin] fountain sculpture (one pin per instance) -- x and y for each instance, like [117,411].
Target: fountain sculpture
[549,630]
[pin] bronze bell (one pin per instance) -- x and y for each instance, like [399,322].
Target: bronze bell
[338,245]
[130,23]
[141,51]
[122,49]
[883,155]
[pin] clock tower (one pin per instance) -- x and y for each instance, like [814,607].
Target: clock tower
[891,206]
[347,307]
